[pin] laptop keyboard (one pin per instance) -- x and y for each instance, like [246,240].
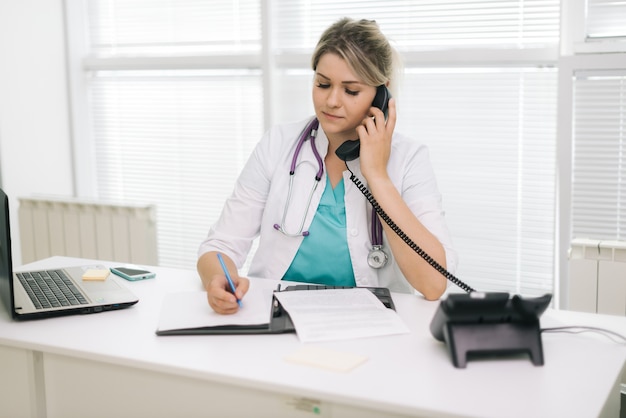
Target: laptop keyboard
[51,289]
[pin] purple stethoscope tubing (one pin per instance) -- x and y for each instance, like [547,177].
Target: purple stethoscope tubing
[377,230]
[310,132]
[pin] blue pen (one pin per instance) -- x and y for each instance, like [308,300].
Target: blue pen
[230,281]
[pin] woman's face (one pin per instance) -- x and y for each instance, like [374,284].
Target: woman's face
[340,98]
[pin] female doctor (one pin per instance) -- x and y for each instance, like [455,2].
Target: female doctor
[313,223]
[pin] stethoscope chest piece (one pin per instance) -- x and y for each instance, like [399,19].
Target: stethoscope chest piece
[377,258]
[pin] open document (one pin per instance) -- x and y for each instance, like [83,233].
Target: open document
[338,314]
[184,312]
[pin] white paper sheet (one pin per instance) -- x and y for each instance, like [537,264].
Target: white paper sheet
[339,314]
[188,310]
[324,358]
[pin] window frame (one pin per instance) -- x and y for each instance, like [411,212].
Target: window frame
[79,62]
[578,53]
[574,39]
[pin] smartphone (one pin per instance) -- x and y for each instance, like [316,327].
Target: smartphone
[349,150]
[132,274]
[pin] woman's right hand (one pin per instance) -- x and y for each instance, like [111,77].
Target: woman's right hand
[220,296]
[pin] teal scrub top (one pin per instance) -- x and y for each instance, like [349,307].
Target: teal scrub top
[323,257]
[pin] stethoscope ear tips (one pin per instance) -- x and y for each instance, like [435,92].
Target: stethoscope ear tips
[277,227]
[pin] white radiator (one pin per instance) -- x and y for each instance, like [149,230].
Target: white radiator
[77,228]
[597,276]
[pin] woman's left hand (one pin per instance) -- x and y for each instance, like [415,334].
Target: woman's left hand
[375,135]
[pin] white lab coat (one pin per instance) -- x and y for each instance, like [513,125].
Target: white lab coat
[258,202]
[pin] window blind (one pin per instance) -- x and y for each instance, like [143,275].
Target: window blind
[177,138]
[195,129]
[606,18]
[599,163]
[165,27]
[425,24]
[491,135]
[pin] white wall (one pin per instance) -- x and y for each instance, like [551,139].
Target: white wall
[34,109]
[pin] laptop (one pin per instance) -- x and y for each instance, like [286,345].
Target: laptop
[53,292]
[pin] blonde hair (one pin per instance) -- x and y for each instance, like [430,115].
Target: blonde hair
[364,48]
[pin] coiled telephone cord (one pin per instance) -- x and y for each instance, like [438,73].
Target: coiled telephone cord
[405,237]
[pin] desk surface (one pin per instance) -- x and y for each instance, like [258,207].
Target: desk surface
[405,374]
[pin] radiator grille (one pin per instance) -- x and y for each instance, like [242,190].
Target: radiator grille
[597,276]
[86,229]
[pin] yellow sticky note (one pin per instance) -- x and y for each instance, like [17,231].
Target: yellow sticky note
[96,274]
[326,359]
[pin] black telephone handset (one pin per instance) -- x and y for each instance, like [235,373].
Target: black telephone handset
[349,150]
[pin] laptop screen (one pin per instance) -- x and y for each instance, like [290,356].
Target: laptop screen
[6,268]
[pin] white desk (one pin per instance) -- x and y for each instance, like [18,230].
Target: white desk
[113,364]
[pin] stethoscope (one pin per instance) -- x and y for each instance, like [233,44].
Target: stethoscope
[376,258]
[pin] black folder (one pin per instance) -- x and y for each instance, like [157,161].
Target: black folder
[279,321]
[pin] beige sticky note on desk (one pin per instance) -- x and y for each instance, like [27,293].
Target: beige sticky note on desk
[96,274]
[326,359]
